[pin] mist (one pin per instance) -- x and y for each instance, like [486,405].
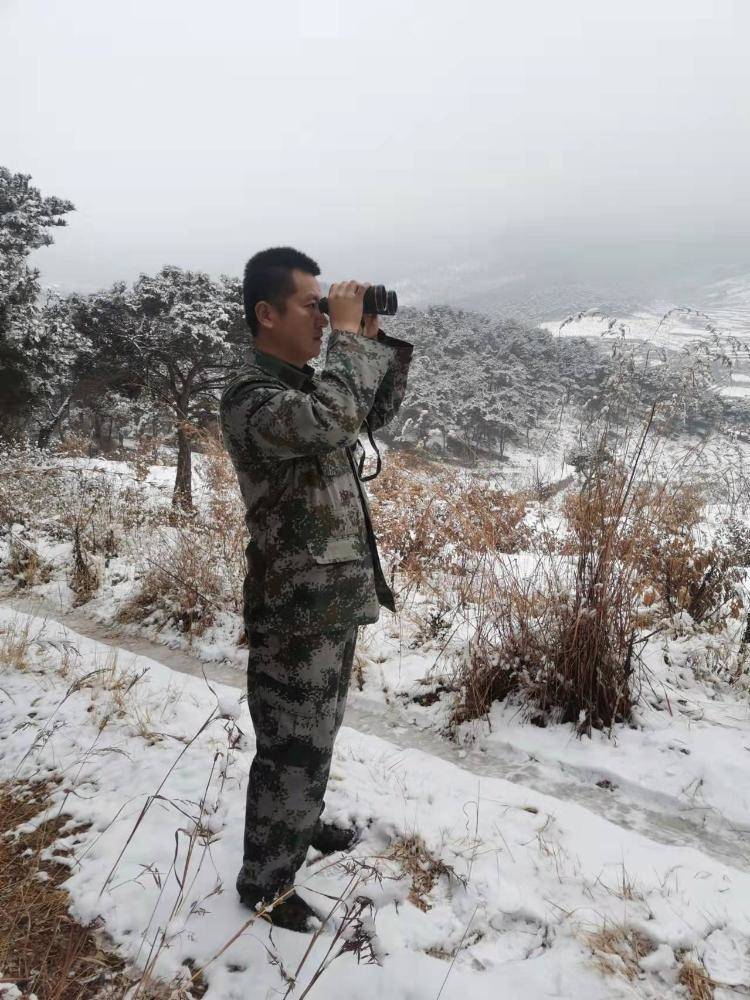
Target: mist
[446,147]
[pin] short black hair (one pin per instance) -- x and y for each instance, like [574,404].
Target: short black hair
[268,278]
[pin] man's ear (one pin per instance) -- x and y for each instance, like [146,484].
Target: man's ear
[264,314]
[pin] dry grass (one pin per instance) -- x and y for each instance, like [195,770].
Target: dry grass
[15,642]
[42,949]
[27,484]
[74,446]
[148,451]
[192,568]
[25,566]
[430,521]
[422,868]
[562,638]
[182,581]
[695,979]
[678,568]
[112,688]
[114,695]
[617,950]
[84,578]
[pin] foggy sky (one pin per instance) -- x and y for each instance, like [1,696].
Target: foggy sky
[384,138]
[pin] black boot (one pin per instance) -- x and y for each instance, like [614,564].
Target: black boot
[292,913]
[328,838]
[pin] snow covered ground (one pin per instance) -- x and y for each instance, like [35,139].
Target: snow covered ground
[562,858]
[507,860]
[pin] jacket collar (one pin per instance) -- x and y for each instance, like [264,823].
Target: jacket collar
[296,378]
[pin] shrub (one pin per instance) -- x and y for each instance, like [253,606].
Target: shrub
[677,564]
[84,577]
[193,568]
[431,522]
[563,639]
[25,565]
[179,579]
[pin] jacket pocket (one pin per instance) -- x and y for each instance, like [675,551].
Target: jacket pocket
[340,548]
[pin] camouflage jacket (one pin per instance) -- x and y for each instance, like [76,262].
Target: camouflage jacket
[312,558]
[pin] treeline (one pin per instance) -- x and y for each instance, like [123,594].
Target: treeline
[479,384]
[147,360]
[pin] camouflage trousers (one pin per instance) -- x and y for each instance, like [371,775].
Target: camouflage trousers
[296,690]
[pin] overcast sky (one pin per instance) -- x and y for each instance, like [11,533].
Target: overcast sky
[383,138]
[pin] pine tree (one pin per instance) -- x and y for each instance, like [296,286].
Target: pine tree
[175,335]
[26,218]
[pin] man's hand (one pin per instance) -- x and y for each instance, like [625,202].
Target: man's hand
[345,305]
[345,309]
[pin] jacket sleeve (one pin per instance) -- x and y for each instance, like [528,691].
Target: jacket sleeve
[289,423]
[390,392]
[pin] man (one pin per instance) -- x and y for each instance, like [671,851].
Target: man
[313,572]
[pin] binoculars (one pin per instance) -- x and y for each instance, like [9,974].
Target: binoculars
[378,301]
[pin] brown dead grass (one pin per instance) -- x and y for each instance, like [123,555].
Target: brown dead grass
[83,578]
[43,950]
[193,566]
[566,637]
[74,446]
[617,950]
[430,520]
[563,637]
[25,565]
[678,570]
[14,645]
[421,867]
[683,570]
[696,980]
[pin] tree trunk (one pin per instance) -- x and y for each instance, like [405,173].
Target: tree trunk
[46,429]
[96,431]
[183,483]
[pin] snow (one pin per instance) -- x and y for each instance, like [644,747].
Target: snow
[688,752]
[738,390]
[536,871]
[552,837]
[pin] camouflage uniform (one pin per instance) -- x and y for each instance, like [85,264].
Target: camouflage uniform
[313,577]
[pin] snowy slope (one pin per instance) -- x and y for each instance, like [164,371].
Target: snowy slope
[536,873]
[673,324]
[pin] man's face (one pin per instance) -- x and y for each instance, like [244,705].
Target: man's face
[295,334]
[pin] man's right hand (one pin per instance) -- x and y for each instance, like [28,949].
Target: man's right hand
[345,305]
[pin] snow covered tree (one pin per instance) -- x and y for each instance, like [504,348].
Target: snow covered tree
[16,390]
[58,356]
[26,218]
[176,335]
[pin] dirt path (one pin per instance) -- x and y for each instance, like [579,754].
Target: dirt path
[659,818]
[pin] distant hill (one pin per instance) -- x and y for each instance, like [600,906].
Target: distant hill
[483,384]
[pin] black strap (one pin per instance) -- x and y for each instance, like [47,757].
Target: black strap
[361,462]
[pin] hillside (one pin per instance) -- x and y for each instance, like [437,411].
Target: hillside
[483,384]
